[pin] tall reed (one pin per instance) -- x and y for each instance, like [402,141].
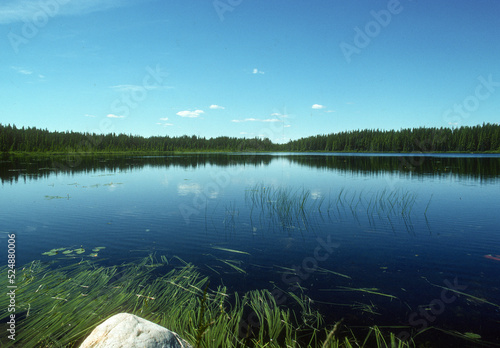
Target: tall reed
[288,208]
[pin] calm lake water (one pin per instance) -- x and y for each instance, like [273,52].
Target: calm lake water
[371,239]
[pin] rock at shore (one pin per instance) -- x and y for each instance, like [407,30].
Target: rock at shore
[128,330]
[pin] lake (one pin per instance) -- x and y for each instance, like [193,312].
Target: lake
[406,241]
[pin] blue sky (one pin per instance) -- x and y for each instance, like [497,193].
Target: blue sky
[280,69]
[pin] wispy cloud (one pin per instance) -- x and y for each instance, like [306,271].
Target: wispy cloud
[257,71]
[318,106]
[190,114]
[114,116]
[280,115]
[88,115]
[245,120]
[21,70]
[216,107]
[12,11]
[257,120]
[164,124]
[137,88]
[127,88]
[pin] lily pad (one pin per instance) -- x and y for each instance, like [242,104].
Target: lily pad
[58,249]
[53,252]
[53,197]
[97,249]
[66,252]
[93,255]
[472,335]
[79,251]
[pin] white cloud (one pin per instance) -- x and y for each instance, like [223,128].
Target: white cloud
[257,120]
[190,114]
[22,70]
[280,115]
[88,115]
[257,71]
[114,116]
[245,120]
[164,119]
[286,126]
[216,107]
[330,111]
[318,106]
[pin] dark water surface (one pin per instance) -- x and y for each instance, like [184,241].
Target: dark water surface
[371,239]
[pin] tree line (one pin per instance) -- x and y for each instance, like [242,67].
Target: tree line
[481,138]
[13,139]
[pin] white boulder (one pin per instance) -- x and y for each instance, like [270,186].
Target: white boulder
[129,331]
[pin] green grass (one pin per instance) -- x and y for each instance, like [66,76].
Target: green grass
[59,304]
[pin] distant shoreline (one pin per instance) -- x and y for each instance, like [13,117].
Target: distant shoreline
[166,153]
[478,139]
